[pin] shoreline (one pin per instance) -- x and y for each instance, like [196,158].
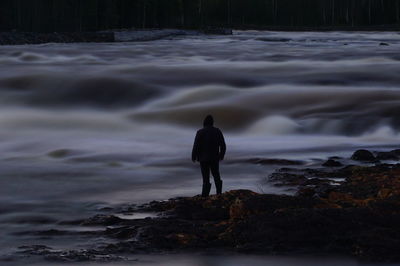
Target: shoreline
[378,28]
[348,210]
[110,36]
[137,35]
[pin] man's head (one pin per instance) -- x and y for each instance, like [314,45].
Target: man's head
[208,121]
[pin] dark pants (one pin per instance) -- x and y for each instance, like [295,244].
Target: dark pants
[206,167]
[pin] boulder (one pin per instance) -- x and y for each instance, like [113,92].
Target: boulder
[396,151]
[391,155]
[332,163]
[363,155]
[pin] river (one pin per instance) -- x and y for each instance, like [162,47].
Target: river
[88,126]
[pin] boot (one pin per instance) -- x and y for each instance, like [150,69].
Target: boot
[218,186]
[206,189]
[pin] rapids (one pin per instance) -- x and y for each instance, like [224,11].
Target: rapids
[87,126]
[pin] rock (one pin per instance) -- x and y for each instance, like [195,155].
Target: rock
[61,153]
[266,161]
[396,152]
[358,216]
[17,38]
[287,179]
[271,39]
[114,164]
[218,31]
[332,163]
[316,182]
[383,44]
[101,219]
[82,255]
[391,155]
[323,190]
[306,192]
[363,155]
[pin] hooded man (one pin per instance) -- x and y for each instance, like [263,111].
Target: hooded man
[209,148]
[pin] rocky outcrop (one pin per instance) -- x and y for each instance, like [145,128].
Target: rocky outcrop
[332,163]
[358,215]
[363,155]
[390,155]
[17,38]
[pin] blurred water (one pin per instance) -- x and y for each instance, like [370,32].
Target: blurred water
[119,119]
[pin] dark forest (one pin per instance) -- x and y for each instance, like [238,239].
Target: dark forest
[91,15]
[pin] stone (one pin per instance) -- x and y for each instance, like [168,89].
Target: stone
[61,153]
[101,219]
[358,216]
[391,155]
[332,163]
[363,155]
[266,161]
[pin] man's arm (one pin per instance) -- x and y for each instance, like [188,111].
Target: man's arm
[222,146]
[195,150]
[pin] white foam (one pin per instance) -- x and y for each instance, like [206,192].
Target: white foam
[273,125]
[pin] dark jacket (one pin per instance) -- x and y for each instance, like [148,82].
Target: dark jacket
[209,145]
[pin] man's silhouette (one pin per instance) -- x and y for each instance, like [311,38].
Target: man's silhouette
[209,148]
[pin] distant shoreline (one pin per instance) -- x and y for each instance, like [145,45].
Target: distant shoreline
[118,35]
[379,28]
[136,35]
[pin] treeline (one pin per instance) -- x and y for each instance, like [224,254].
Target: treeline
[90,15]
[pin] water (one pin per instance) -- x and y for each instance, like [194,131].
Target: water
[86,126]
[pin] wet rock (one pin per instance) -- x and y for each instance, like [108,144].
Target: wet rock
[306,192]
[332,163]
[363,155]
[267,161]
[271,39]
[326,173]
[391,155]
[35,249]
[323,189]
[82,255]
[267,204]
[358,216]
[50,232]
[396,152]
[61,153]
[114,164]
[316,182]
[287,179]
[383,44]
[101,219]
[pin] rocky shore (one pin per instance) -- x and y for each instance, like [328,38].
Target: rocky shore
[19,38]
[351,210]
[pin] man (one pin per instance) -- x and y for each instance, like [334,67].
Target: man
[209,148]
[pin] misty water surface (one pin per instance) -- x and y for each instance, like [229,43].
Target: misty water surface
[86,126]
